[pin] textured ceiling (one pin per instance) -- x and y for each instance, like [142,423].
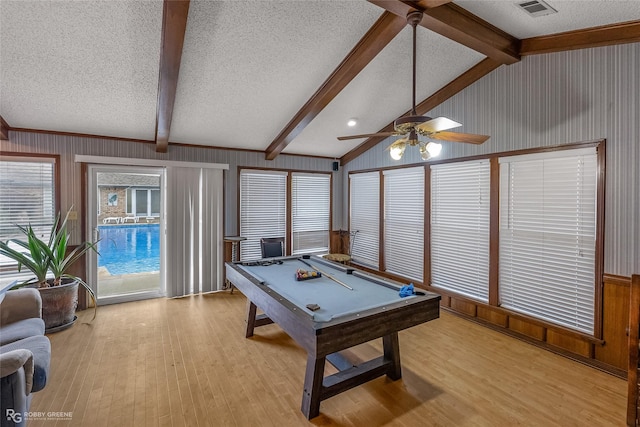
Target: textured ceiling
[382,91]
[247,66]
[85,67]
[572,15]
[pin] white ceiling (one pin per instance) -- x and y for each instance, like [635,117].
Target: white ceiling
[572,15]
[86,67]
[247,67]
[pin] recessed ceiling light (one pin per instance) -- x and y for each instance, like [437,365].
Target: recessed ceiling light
[352,122]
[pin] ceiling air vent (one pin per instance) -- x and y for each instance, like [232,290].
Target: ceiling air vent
[536,8]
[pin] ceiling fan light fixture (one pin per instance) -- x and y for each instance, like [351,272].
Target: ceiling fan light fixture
[352,122]
[434,148]
[430,150]
[397,149]
[424,154]
[412,124]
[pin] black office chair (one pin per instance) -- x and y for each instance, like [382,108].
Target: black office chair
[272,247]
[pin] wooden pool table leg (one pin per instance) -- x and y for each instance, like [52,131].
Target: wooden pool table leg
[311,395]
[391,347]
[254,320]
[251,318]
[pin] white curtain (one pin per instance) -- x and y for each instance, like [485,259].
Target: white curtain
[194,230]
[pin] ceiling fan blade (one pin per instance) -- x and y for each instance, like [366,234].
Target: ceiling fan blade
[436,125]
[366,135]
[470,138]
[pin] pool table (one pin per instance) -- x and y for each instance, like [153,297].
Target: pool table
[354,307]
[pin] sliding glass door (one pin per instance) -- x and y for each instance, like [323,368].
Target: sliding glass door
[126,219]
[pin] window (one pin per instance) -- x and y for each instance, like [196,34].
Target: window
[27,197]
[143,202]
[310,212]
[365,217]
[460,228]
[532,252]
[404,222]
[263,209]
[547,236]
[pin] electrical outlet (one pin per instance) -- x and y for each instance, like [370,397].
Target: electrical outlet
[73,215]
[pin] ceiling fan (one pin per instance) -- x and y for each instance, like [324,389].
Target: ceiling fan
[413,125]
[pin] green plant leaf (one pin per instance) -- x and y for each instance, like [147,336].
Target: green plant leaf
[41,257]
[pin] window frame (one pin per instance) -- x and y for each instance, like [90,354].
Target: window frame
[526,218]
[293,206]
[399,209]
[476,174]
[377,264]
[288,221]
[132,198]
[35,158]
[494,237]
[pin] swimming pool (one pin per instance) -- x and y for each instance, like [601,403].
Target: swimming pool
[127,249]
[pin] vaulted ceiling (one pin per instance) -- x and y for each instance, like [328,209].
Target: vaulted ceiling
[272,76]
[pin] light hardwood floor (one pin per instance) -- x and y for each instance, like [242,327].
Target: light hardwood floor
[185,362]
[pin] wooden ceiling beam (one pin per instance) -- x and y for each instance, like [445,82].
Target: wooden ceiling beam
[378,36]
[4,129]
[626,32]
[174,25]
[606,35]
[429,4]
[455,23]
[461,82]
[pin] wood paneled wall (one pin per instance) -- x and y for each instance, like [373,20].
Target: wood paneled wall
[339,242]
[610,353]
[71,182]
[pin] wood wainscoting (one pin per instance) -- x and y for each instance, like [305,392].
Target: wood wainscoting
[632,351]
[339,242]
[609,353]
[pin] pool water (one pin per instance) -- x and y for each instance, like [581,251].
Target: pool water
[127,249]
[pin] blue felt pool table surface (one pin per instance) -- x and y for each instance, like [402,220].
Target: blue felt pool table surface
[334,299]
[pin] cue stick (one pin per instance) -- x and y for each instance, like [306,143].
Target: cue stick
[327,275]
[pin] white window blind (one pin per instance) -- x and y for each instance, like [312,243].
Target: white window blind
[365,217]
[460,228]
[310,212]
[263,209]
[27,196]
[404,222]
[547,236]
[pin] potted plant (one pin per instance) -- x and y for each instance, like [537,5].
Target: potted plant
[51,258]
